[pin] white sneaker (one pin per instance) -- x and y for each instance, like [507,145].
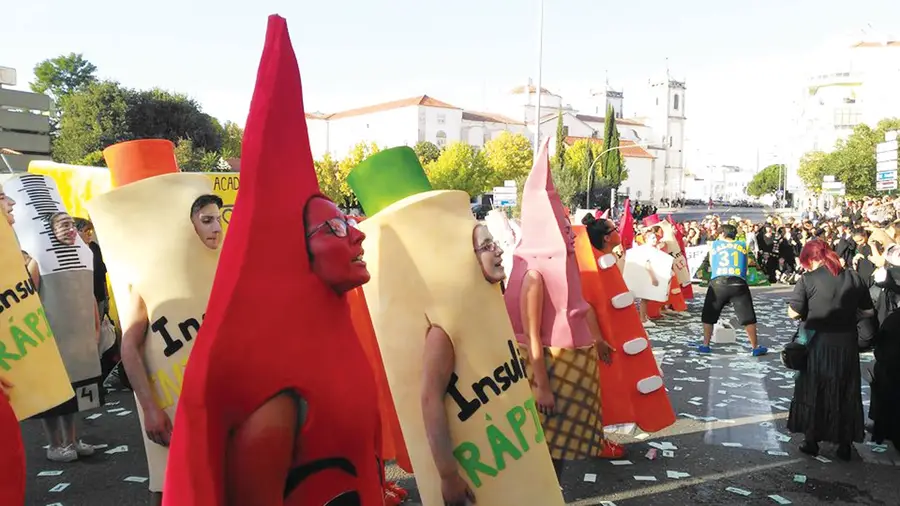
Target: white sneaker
[649,324]
[83,449]
[62,454]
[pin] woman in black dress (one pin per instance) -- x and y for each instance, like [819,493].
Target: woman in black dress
[827,402]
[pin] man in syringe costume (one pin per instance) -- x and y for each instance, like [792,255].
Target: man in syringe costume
[448,348]
[162,262]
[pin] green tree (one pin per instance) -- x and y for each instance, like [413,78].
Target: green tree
[559,158]
[63,75]
[766,181]
[427,152]
[812,170]
[509,156]
[460,167]
[187,156]
[612,166]
[328,174]
[91,120]
[232,138]
[159,114]
[357,154]
[568,183]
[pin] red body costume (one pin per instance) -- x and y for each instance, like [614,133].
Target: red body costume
[273,326]
[12,457]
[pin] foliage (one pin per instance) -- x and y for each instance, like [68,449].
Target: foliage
[327,172]
[427,152]
[460,167]
[852,161]
[611,161]
[92,119]
[232,137]
[560,156]
[766,181]
[63,75]
[508,156]
[568,183]
[357,154]
[222,165]
[159,114]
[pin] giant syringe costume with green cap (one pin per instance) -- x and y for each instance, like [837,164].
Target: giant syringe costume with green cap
[425,273]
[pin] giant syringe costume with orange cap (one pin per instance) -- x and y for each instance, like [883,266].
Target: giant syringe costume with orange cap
[491,413]
[272,325]
[152,250]
[632,385]
[66,287]
[547,247]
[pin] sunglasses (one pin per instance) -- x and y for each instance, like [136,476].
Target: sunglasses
[339,227]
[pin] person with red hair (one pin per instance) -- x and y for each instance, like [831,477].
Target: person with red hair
[827,401]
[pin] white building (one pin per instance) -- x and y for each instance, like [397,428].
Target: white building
[653,157]
[852,85]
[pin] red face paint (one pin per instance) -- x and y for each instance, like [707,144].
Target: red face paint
[335,260]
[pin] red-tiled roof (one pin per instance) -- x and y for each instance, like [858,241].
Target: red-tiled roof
[887,43]
[395,104]
[601,119]
[489,117]
[629,149]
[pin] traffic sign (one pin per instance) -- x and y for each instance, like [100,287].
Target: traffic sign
[887,175]
[506,203]
[832,185]
[885,156]
[886,165]
[882,147]
[883,186]
[504,190]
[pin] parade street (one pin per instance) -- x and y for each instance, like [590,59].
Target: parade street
[697,213]
[729,445]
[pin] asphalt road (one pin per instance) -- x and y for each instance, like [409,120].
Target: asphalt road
[757,214]
[742,444]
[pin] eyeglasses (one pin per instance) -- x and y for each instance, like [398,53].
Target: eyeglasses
[339,227]
[488,246]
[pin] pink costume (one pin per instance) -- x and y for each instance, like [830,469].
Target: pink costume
[548,247]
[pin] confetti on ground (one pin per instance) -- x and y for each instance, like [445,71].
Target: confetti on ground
[780,500]
[782,438]
[620,462]
[101,446]
[124,413]
[590,478]
[651,454]
[799,478]
[664,445]
[738,491]
[668,453]
[115,410]
[136,479]
[60,487]
[645,478]
[50,473]
[822,459]
[675,475]
[607,503]
[94,416]
[118,449]
[732,445]
[778,453]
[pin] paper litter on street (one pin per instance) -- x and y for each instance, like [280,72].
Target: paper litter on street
[800,478]
[645,478]
[590,478]
[676,475]
[780,500]
[60,487]
[136,479]
[738,491]
[50,473]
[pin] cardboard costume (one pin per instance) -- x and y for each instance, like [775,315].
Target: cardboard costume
[66,288]
[548,247]
[492,416]
[633,390]
[153,250]
[273,322]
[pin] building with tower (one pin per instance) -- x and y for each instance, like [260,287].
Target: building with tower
[652,145]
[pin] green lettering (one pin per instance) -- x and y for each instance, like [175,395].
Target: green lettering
[21,338]
[469,457]
[501,444]
[32,320]
[517,418]
[4,356]
[43,315]
[531,406]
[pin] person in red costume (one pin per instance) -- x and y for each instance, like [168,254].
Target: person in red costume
[12,455]
[279,405]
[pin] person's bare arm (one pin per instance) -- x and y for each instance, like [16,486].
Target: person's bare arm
[603,348]
[793,314]
[97,319]
[260,452]
[532,307]
[437,368]
[34,271]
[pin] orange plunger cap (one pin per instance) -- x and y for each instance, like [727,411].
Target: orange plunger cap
[133,161]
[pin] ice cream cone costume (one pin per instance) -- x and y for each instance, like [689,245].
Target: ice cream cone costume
[153,250]
[275,324]
[393,445]
[632,384]
[547,246]
[66,289]
[685,276]
[497,437]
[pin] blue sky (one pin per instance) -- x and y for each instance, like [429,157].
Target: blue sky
[740,59]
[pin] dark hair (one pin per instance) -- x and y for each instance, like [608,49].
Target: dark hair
[597,230]
[729,231]
[818,251]
[83,225]
[205,200]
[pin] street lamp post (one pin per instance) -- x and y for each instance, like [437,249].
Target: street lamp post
[537,107]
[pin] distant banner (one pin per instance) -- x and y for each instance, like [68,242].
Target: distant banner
[226,186]
[695,256]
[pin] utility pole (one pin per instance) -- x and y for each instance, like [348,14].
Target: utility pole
[537,107]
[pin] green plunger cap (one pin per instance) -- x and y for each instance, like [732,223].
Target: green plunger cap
[386,177]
